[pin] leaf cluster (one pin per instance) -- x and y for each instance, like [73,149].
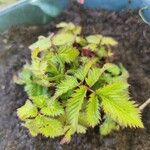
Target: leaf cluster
[70,86]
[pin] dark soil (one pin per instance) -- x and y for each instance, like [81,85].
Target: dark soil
[133,51]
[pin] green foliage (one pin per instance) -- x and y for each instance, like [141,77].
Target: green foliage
[68,54]
[65,85]
[42,44]
[74,105]
[93,113]
[108,126]
[47,126]
[71,88]
[115,102]
[93,76]
[27,110]
[53,108]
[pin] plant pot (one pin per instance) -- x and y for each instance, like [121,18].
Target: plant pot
[30,12]
[38,12]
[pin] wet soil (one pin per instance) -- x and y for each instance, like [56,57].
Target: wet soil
[133,52]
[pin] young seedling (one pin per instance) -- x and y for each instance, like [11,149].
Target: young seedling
[71,86]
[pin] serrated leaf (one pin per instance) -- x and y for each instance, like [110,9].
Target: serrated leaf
[82,71]
[66,139]
[74,105]
[27,110]
[81,41]
[34,89]
[112,79]
[52,128]
[38,67]
[94,39]
[92,47]
[69,28]
[80,74]
[63,39]
[53,109]
[93,76]
[42,80]
[43,43]
[34,54]
[44,125]
[68,54]
[114,69]
[108,41]
[52,69]
[65,85]
[40,101]
[66,96]
[24,76]
[108,126]
[102,52]
[77,30]
[65,25]
[116,104]
[32,126]
[81,129]
[92,110]
[83,120]
[115,88]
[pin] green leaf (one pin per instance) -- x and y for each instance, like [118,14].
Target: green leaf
[52,128]
[92,110]
[24,76]
[94,39]
[33,126]
[42,80]
[83,120]
[108,126]
[34,89]
[107,77]
[43,43]
[65,96]
[116,104]
[74,105]
[68,54]
[65,85]
[44,125]
[81,129]
[68,134]
[108,41]
[38,67]
[82,71]
[102,52]
[35,53]
[93,76]
[63,39]
[69,25]
[114,69]
[40,101]
[69,28]
[53,109]
[92,47]
[81,41]
[27,110]
[115,87]
[80,74]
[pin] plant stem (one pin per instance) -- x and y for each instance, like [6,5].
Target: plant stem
[90,90]
[144,104]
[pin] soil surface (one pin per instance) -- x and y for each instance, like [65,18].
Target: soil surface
[133,52]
